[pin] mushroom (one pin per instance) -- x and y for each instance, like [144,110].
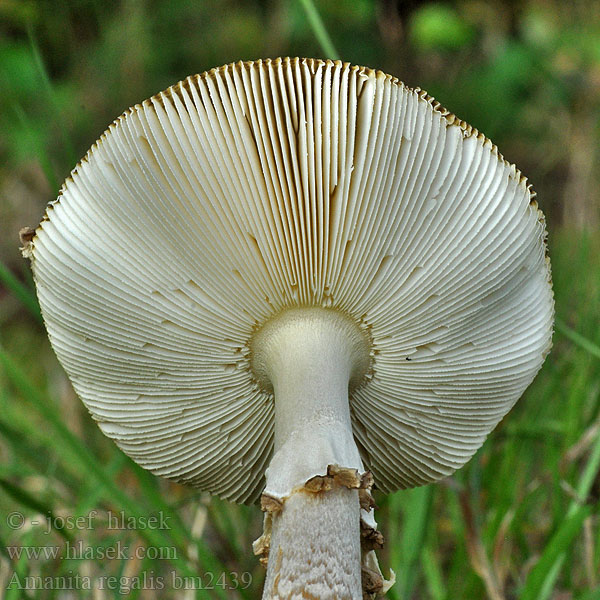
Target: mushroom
[290,280]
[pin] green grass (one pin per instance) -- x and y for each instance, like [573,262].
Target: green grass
[520,521]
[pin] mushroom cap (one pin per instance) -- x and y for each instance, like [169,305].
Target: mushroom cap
[215,205]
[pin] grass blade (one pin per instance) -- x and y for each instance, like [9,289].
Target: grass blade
[319,29]
[81,454]
[432,572]
[18,567]
[543,576]
[578,339]
[24,294]
[52,98]
[41,152]
[407,547]
[26,499]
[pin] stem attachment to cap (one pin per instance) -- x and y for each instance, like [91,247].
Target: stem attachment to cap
[310,358]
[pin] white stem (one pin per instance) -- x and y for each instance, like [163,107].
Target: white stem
[310,357]
[315,547]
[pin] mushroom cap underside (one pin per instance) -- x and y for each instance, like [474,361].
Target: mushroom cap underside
[256,187]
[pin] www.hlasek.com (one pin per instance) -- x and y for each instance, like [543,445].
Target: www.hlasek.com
[147,580]
[80,551]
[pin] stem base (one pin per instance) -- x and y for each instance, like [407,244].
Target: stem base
[315,547]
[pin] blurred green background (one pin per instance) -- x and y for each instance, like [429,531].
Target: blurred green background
[521,520]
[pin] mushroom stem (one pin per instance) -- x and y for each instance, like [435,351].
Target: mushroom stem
[315,547]
[310,358]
